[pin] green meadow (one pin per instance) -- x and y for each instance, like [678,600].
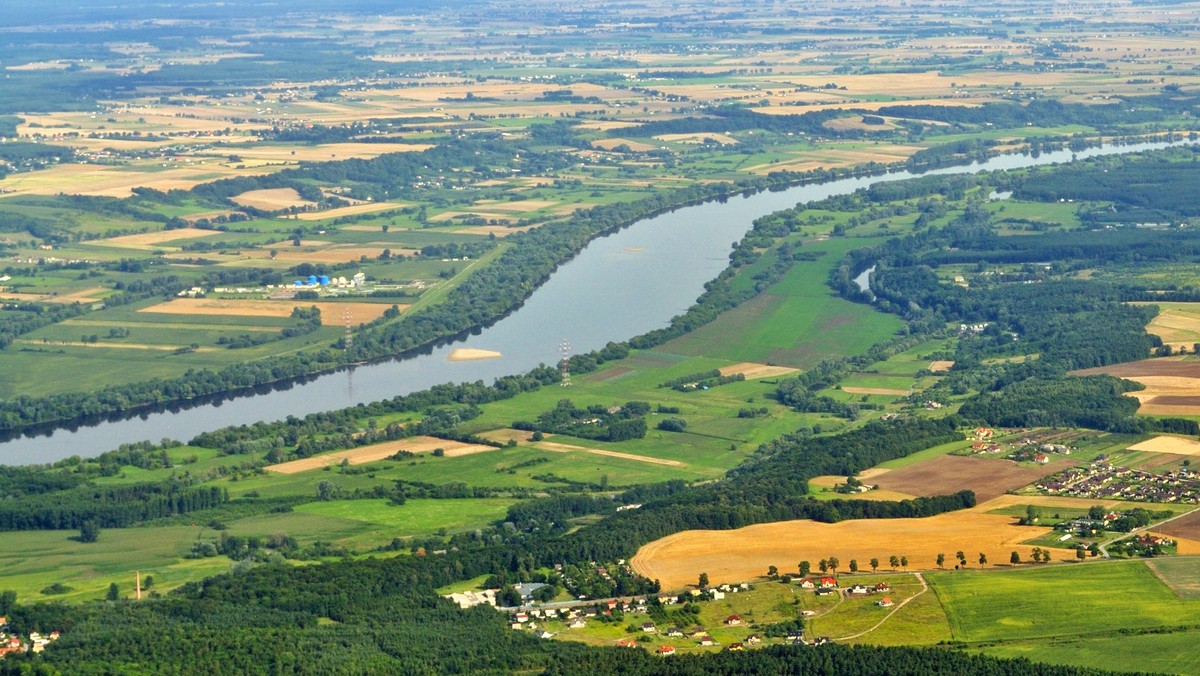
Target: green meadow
[796,322]
[1029,603]
[1169,653]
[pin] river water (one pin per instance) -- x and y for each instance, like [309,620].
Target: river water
[619,286]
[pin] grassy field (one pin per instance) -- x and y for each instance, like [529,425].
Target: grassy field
[415,517]
[1170,653]
[1028,603]
[32,561]
[796,322]
[856,619]
[1181,574]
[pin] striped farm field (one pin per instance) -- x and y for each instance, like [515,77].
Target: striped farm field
[376,452]
[331,313]
[147,240]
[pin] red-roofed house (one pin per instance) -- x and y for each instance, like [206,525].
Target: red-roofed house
[666,650]
[626,643]
[807,583]
[886,602]
[882,587]
[828,582]
[733,620]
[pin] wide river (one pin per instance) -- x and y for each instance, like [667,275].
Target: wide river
[619,286]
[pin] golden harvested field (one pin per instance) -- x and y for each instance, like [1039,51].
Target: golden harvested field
[870,105]
[331,313]
[1172,384]
[84,296]
[368,228]
[377,452]
[940,366]
[364,208]
[451,215]
[1183,546]
[875,390]
[605,125]
[934,84]
[1165,395]
[753,371]
[192,218]
[147,240]
[497,230]
[856,124]
[568,448]
[518,206]
[119,346]
[838,157]
[699,138]
[272,199]
[114,181]
[610,143]
[1177,326]
[333,254]
[746,553]
[505,434]
[41,65]
[1167,444]
[329,151]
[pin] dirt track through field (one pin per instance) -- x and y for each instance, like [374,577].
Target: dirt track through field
[566,448]
[924,588]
